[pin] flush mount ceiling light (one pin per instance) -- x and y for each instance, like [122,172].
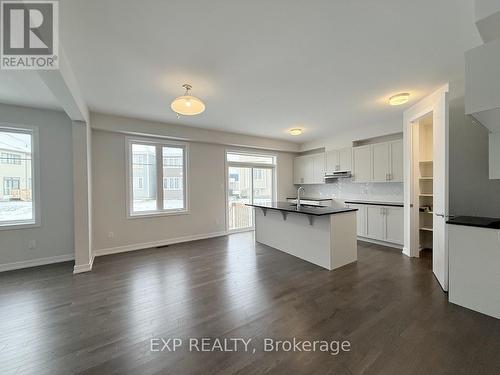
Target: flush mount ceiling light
[186,104]
[295,131]
[399,99]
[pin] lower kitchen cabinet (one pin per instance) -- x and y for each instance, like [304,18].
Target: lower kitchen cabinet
[381,223]
[360,218]
[394,228]
[375,222]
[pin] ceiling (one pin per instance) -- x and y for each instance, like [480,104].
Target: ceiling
[263,67]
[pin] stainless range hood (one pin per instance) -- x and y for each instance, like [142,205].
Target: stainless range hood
[337,175]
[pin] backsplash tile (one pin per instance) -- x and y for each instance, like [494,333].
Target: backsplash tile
[346,189]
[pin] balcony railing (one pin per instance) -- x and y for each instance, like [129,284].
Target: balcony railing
[240,216]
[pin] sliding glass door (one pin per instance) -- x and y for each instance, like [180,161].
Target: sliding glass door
[247,182]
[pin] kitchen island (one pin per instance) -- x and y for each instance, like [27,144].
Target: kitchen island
[325,236]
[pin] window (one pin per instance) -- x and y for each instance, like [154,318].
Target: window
[18,199]
[157,171]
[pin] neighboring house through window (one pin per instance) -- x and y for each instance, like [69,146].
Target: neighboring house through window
[18,176]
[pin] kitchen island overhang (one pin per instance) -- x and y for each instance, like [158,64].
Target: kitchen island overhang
[324,236]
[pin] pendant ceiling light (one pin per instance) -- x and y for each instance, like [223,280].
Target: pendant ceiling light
[186,104]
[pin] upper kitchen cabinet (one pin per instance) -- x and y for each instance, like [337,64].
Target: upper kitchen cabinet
[388,161]
[362,163]
[379,162]
[309,169]
[318,168]
[381,154]
[397,161]
[339,160]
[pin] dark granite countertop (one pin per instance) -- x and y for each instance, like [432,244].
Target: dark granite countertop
[311,199]
[309,210]
[476,221]
[375,203]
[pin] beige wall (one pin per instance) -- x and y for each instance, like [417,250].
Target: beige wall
[206,194]
[54,237]
[471,191]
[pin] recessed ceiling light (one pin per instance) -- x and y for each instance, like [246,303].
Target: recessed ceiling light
[399,99]
[186,104]
[295,131]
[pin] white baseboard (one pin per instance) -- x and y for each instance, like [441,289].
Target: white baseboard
[36,262]
[147,245]
[84,267]
[383,243]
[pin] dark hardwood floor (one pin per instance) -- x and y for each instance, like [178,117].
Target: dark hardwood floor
[388,306]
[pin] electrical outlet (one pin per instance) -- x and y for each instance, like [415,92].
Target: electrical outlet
[111,235]
[31,244]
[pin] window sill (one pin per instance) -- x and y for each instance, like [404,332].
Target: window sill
[21,225]
[157,214]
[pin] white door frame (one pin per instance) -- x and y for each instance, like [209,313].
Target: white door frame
[436,104]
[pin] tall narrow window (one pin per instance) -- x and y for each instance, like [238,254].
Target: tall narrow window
[157,177]
[17,177]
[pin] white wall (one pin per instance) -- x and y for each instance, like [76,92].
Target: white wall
[54,238]
[206,193]
[393,124]
[471,191]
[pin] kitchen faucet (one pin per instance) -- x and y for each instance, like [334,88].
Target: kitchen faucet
[298,197]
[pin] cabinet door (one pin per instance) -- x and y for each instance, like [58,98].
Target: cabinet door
[298,168]
[396,161]
[345,159]
[375,225]
[360,218]
[381,161]
[394,230]
[307,169]
[318,168]
[332,161]
[362,159]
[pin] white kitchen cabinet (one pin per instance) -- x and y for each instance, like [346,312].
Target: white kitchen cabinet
[362,163]
[303,170]
[309,169]
[387,159]
[381,223]
[381,158]
[345,159]
[318,168]
[394,229]
[339,160]
[375,226]
[332,161]
[360,218]
[396,173]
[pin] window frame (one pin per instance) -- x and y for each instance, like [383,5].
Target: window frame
[159,143]
[35,177]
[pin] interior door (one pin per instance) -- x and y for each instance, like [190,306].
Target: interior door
[440,190]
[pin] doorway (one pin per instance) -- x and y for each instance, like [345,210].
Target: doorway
[423,181]
[425,130]
[250,179]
